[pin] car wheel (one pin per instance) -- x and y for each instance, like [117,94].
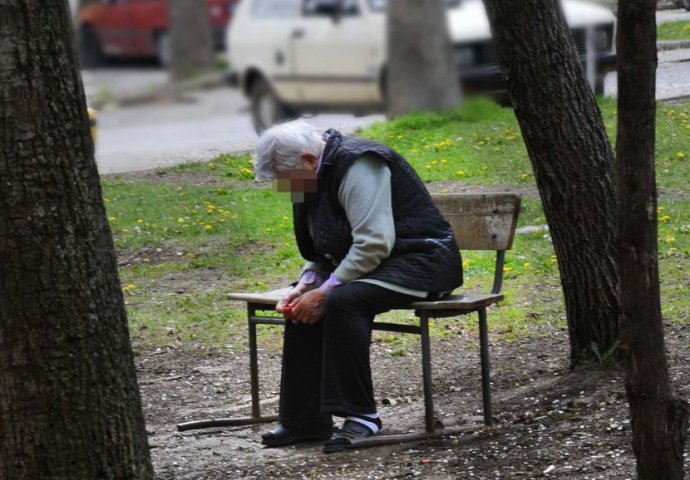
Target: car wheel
[265,107]
[90,51]
[163,49]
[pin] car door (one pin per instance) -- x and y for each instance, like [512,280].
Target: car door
[338,55]
[113,26]
[259,42]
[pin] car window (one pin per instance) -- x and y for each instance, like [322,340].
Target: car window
[380,5]
[345,7]
[276,8]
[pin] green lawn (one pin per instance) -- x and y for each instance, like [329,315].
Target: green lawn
[679,30]
[195,232]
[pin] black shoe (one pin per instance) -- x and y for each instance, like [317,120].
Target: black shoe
[280,436]
[342,438]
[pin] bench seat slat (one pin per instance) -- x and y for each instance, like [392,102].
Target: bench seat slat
[460,302]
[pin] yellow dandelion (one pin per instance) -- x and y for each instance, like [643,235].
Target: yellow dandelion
[112,219]
[181,220]
[659,209]
[146,260]
[554,258]
[466,263]
[525,176]
[208,228]
[460,173]
[140,221]
[680,155]
[670,239]
[106,201]
[664,218]
[507,269]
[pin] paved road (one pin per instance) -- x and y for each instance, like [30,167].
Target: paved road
[202,124]
[196,126]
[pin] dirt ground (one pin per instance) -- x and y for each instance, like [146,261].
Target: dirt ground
[551,422]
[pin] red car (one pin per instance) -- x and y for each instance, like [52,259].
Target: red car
[137,28]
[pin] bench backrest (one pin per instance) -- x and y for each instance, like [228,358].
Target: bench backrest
[483,221]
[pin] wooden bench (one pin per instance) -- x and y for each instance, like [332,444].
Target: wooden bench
[480,222]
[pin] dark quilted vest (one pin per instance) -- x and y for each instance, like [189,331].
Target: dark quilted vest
[425,255]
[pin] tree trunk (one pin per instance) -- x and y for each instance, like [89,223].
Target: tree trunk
[191,43]
[421,74]
[571,159]
[69,402]
[659,419]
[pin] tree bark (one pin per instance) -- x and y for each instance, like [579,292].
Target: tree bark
[69,402]
[572,162]
[421,74]
[659,418]
[191,44]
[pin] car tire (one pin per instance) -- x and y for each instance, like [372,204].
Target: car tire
[90,51]
[266,108]
[163,51]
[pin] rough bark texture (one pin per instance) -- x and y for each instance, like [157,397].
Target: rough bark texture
[191,45]
[69,402]
[572,162]
[659,419]
[422,75]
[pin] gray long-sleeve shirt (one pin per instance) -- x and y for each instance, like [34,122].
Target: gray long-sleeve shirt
[365,194]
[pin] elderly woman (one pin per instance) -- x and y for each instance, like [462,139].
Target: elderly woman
[373,241]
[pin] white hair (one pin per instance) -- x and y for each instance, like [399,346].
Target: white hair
[281,148]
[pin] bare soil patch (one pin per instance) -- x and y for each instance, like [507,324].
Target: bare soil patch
[551,422]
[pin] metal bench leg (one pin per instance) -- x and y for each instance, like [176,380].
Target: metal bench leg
[426,373]
[486,368]
[252,321]
[253,363]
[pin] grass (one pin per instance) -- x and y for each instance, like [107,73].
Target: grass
[184,244]
[679,30]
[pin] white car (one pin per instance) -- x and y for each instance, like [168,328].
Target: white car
[295,56]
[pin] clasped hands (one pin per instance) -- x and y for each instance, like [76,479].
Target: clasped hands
[303,304]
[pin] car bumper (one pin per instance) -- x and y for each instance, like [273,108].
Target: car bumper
[490,81]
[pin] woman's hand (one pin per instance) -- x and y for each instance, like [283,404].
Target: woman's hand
[308,308]
[284,304]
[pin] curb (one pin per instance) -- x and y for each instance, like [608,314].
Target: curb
[672,44]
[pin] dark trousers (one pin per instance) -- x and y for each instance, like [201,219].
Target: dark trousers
[326,368]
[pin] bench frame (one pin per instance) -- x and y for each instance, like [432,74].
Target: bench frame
[480,222]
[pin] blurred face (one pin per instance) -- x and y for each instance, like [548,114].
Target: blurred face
[300,181]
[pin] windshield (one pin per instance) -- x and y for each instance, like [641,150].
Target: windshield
[380,5]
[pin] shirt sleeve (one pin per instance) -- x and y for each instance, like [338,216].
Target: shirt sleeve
[365,194]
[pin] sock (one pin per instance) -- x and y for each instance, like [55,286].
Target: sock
[369,420]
